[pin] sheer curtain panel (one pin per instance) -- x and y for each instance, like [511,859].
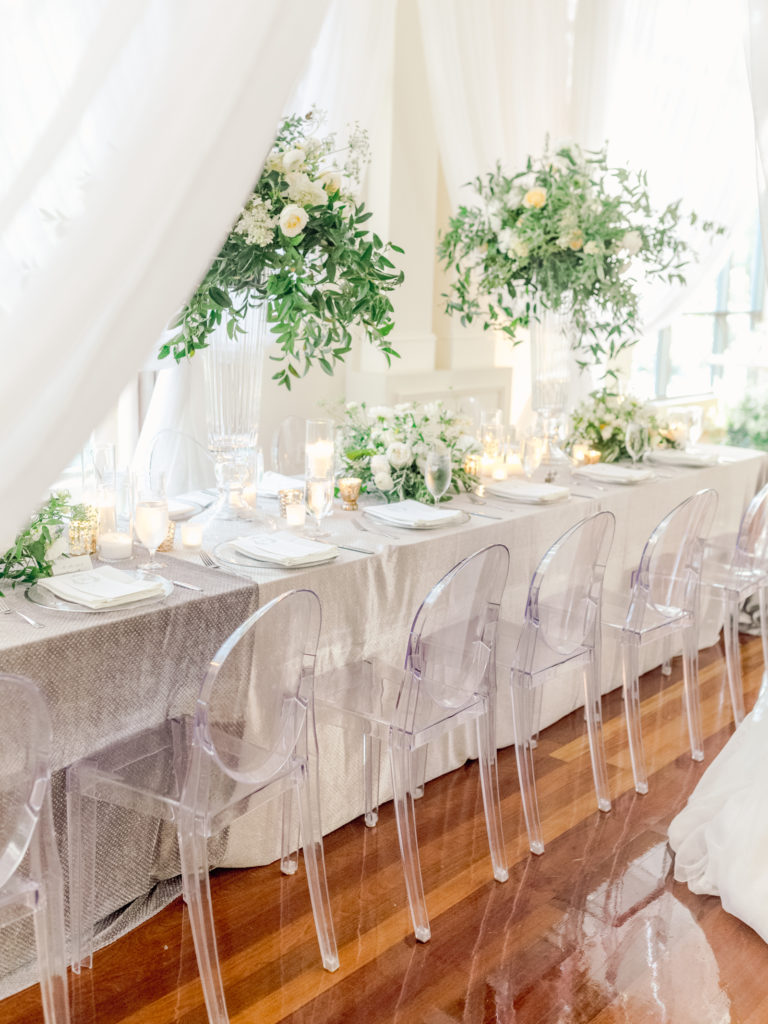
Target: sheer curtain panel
[129,136]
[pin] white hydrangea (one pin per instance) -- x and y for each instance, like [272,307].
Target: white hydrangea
[257,223]
[399,455]
[632,242]
[304,191]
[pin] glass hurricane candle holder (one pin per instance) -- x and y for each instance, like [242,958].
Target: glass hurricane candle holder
[349,492]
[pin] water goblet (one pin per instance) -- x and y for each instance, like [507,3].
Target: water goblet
[636,441]
[150,514]
[319,503]
[437,472]
[533,452]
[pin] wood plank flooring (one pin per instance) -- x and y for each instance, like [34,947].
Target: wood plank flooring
[595,930]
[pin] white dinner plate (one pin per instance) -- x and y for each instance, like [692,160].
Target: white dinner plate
[464,518]
[227,554]
[45,599]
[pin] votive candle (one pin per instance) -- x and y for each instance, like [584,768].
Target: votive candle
[114,546]
[191,536]
[295,515]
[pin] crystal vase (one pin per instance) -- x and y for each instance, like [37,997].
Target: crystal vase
[233,372]
[551,362]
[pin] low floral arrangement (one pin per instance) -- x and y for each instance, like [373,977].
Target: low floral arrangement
[601,421]
[747,424]
[387,448]
[300,244]
[31,555]
[564,234]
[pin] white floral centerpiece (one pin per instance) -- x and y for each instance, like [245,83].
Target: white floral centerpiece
[565,234]
[301,244]
[387,447]
[602,420]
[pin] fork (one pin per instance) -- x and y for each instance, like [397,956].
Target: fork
[369,529]
[206,559]
[5,609]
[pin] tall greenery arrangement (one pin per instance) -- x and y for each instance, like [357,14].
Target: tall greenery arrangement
[567,234]
[300,244]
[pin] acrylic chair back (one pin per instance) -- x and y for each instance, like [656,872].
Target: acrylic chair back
[289,446]
[24,755]
[563,607]
[751,550]
[252,731]
[667,577]
[452,636]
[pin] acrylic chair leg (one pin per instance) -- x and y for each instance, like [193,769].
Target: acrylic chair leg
[195,879]
[371,763]
[691,690]
[763,594]
[419,771]
[631,686]
[81,840]
[489,782]
[400,762]
[49,920]
[733,657]
[314,860]
[666,661]
[289,841]
[593,705]
[523,700]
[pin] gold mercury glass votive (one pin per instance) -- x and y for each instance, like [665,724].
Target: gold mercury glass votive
[290,496]
[349,492]
[84,533]
[167,544]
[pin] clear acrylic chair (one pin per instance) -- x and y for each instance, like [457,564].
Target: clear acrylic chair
[30,873]
[560,632]
[447,681]
[731,573]
[289,445]
[252,737]
[663,603]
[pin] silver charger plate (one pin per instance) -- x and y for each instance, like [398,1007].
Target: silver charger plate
[227,554]
[465,518]
[45,599]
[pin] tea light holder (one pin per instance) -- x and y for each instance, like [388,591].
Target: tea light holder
[472,465]
[579,453]
[84,532]
[191,536]
[295,513]
[592,456]
[167,544]
[115,546]
[290,496]
[349,492]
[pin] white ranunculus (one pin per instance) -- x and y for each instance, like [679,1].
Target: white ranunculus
[383,481]
[632,241]
[293,159]
[293,220]
[379,464]
[399,455]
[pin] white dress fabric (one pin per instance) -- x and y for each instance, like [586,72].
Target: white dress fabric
[720,838]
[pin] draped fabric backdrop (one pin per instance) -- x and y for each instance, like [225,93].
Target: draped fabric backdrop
[757,49]
[129,135]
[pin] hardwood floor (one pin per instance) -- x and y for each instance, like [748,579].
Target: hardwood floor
[595,930]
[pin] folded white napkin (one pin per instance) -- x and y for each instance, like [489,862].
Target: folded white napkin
[415,513]
[610,473]
[527,492]
[284,548]
[683,457]
[105,587]
[271,483]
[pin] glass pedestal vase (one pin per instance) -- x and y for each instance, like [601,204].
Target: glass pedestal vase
[551,362]
[233,373]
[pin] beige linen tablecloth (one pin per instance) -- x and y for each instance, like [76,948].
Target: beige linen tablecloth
[106,675]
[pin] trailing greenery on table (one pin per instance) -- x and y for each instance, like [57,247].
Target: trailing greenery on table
[601,422]
[387,447]
[28,558]
[567,233]
[301,245]
[747,425]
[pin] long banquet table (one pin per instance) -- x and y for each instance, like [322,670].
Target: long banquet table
[106,675]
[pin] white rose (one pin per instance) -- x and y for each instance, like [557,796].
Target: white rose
[399,455]
[606,431]
[293,220]
[331,182]
[383,481]
[494,222]
[379,465]
[632,241]
[293,159]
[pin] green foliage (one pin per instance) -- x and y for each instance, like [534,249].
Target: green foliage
[564,234]
[387,448]
[601,421]
[301,246]
[747,425]
[26,560]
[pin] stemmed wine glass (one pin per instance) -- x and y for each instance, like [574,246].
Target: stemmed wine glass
[533,452]
[319,503]
[437,472]
[150,514]
[636,441]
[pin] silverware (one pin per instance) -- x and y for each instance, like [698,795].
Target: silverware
[351,547]
[369,529]
[483,515]
[5,609]
[187,586]
[206,559]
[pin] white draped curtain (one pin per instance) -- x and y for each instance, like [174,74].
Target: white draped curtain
[757,62]
[129,135]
